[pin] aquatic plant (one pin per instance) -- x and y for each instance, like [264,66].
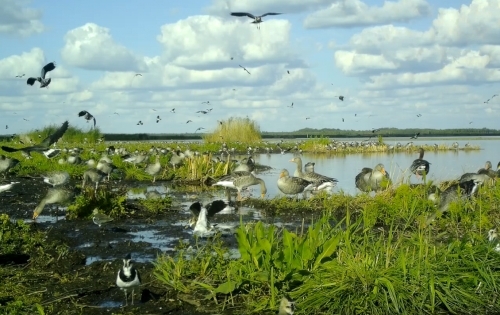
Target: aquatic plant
[110,202]
[235,129]
[375,258]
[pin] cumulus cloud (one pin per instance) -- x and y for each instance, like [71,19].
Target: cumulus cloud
[92,47]
[17,18]
[355,13]
[446,53]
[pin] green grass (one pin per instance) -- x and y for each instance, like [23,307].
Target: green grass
[235,129]
[73,135]
[363,255]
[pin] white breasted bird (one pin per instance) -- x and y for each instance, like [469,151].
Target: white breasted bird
[128,278]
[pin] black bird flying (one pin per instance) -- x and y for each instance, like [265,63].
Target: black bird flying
[87,116]
[43,82]
[256,18]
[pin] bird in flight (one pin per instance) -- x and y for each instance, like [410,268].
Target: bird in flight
[20,75]
[116,113]
[340,97]
[419,115]
[88,116]
[202,111]
[342,119]
[488,100]
[291,106]
[173,110]
[158,118]
[288,71]
[209,109]
[470,122]
[375,130]
[43,82]
[256,19]
[44,145]
[140,123]
[308,118]
[207,102]
[245,69]
[138,75]
[187,122]
[201,128]
[154,110]
[25,119]
[6,126]
[415,136]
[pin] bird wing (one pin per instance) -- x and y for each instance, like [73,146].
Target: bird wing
[243,14]
[48,67]
[269,13]
[195,208]
[94,121]
[82,113]
[55,136]
[215,207]
[9,149]
[31,81]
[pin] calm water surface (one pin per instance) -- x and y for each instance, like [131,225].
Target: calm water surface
[445,165]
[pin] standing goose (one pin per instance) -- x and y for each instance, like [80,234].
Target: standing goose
[488,170]
[456,192]
[44,145]
[54,195]
[56,178]
[246,165]
[372,179]
[420,167]
[240,180]
[154,168]
[321,182]
[293,185]
[298,170]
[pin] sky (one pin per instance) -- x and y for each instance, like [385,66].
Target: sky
[391,60]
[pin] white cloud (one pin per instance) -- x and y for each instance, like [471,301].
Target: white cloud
[92,47]
[355,13]
[17,18]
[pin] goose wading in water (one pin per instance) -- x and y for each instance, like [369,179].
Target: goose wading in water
[321,182]
[54,195]
[240,180]
[454,193]
[420,167]
[372,179]
[293,185]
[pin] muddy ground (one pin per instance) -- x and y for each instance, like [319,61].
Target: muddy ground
[82,281]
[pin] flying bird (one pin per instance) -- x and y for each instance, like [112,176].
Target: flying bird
[207,102]
[44,145]
[20,75]
[308,118]
[201,128]
[202,111]
[415,136]
[244,69]
[187,122]
[154,110]
[173,110]
[116,113]
[291,106]
[470,122]
[140,123]
[487,101]
[138,74]
[158,118]
[6,126]
[342,119]
[375,130]
[87,116]
[25,119]
[340,97]
[256,19]
[288,71]
[43,82]
[209,109]
[419,115]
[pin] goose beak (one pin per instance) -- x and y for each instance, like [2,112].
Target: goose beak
[35,215]
[383,171]
[263,196]
[291,160]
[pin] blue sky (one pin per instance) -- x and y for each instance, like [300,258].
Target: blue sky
[391,60]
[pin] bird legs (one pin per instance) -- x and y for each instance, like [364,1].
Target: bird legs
[126,297]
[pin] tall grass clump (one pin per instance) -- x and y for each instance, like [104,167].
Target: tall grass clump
[235,129]
[73,135]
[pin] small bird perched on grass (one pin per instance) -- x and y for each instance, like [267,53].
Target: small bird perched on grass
[128,278]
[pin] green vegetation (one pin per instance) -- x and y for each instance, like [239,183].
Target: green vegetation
[235,129]
[364,255]
[157,205]
[111,202]
[72,135]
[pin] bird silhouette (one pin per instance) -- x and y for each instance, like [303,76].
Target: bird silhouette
[87,116]
[245,69]
[140,123]
[43,82]
[187,122]
[257,19]
[158,118]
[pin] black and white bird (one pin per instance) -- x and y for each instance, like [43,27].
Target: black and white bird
[415,136]
[140,123]
[43,82]
[291,106]
[244,69]
[128,278]
[420,167]
[44,145]
[158,119]
[173,110]
[340,97]
[202,112]
[201,128]
[207,102]
[257,19]
[20,75]
[87,116]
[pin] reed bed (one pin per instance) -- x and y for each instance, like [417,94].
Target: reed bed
[235,129]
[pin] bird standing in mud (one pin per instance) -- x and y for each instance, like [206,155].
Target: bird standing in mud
[100,218]
[43,82]
[128,278]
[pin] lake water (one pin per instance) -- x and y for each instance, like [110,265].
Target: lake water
[445,164]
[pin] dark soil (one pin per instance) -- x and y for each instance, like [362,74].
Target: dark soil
[82,279]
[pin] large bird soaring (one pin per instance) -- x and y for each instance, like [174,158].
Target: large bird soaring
[44,145]
[88,116]
[256,19]
[43,82]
